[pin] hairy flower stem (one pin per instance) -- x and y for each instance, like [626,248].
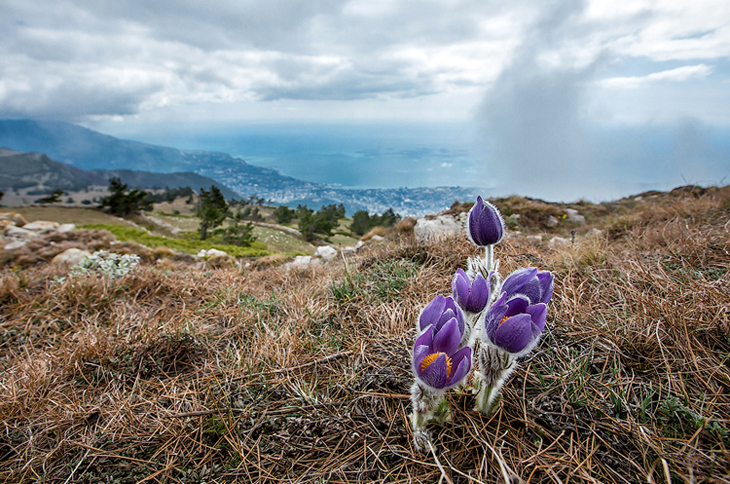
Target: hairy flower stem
[489,258]
[428,406]
[494,367]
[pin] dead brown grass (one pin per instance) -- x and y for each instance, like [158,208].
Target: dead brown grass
[183,372]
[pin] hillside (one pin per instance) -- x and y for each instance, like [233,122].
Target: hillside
[36,173]
[39,172]
[193,371]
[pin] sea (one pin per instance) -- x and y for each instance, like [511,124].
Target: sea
[604,163]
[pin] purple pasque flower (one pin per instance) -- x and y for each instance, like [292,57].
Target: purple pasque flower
[486,225]
[515,326]
[537,286]
[472,296]
[440,311]
[438,363]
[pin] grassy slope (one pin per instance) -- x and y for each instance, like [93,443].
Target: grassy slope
[185,373]
[78,216]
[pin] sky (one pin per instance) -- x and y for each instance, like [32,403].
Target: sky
[546,84]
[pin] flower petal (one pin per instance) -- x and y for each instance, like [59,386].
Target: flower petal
[538,313]
[426,337]
[460,287]
[494,315]
[447,339]
[514,334]
[479,295]
[517,305]
[419,353]
[432,312]
[460,365]
[546,286]
[523,281]
[434,375]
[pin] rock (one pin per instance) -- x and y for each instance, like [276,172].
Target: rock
[5,224]
[558,243]
[360,244]
[41,226]
[594,233]
[377,238]
[14,217]
[326,252]
[69,257]
[574,216]
[551,221]
[211,253]
[20,234]
[441,226]
[303,261]
[15,244]
[349,250]
[534,239]
[63,228]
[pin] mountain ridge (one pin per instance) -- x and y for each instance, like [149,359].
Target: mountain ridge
[41,174]
[87,149]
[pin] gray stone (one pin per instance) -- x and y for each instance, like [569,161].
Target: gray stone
[69,257]
[574,216]
[326,252]
[558,243]
[19,233]
[360,244]
[63,228]
[41,226]
[15,244]
[551,221]
[303,261]
[211,253]
[594,233]
[377,238]
[441,226]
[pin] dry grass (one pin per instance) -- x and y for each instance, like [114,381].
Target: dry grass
[183,373]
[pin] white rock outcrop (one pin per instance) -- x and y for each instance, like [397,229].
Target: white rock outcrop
[440,226]
[70,257]
[211,253]
[41,226]
[574,216]
[326,252]
[558,243]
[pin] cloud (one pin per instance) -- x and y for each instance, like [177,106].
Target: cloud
[679,74]
[256,51]
[531,117]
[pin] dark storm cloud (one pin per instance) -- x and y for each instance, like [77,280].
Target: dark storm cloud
[532,114]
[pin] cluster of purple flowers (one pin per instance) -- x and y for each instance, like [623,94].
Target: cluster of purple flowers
[504,320]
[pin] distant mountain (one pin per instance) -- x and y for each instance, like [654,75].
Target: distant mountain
[89,150]
[42,174]
[25,170]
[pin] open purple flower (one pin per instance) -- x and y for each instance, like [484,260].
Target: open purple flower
[439,312]
[486,225]
[536,286]
[471,296]
[515,326]
[438,363]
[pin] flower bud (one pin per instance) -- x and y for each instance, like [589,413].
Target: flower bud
[486,225]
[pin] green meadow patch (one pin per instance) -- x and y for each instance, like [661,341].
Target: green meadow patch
[188,245]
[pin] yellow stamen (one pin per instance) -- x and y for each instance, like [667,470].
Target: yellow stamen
[503,320]
[432,357]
